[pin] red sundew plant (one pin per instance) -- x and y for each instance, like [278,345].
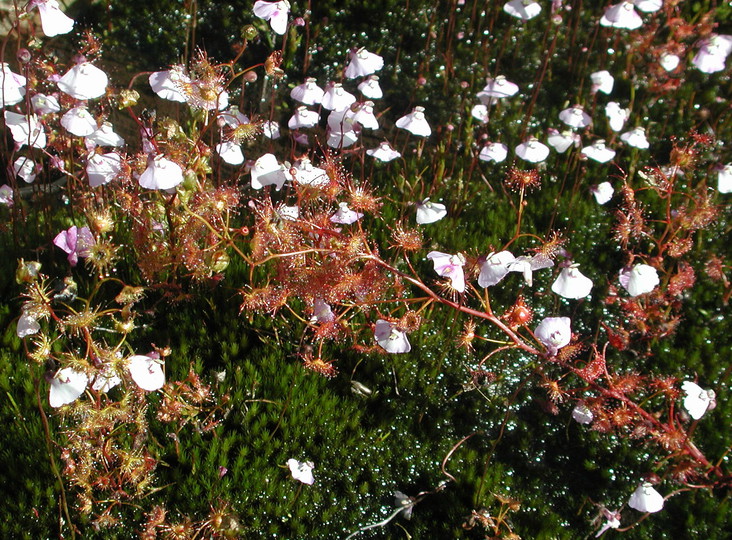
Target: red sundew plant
[177,201]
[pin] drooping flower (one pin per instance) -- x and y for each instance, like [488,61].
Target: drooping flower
[597,151]
[168,84]
[390,338]
[430,212]
[493,151]
[648,6]
[622,15]
[636,137]
[43,104]
[146,371]
[84,81]
[602,81]
[646,499]
[25,129]
[370,87]
[27,324]
[498,88]
[449,266]
[384,152]
[67,385]
[306,173]
[230,152]
[53,20]
[480,112]
[308,92]
[106,136]
[616,115]
[572,284]
[75,242]
[274,12]
[603,192]
[25,168]
[322,312]
[336,98]
[562,141]
[267,171]
[363,113]
[271,129]
[582,414]
[724,179]
[13,87]
[302,471]
[712,55]
[640,279]
[344,215]
[697,400]
[527,265]
[405,502]
[303,118]
[363,63]
[532,150]
[161,173]
[554,333]
[103,168]
[78,121]
[415,123]
[494,268]
[575,117]
[522,9]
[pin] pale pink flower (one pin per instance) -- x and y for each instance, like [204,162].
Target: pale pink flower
[532,150]
[575,117]
[636,137]
[554,333]
[697,400]
[230,152]
[103,168]
[306,173]
[622,15]
[602,81]
[493,151]
[562,141]
[336,98]
[53,20]
[146,371]
[302,471]
[6,195]
[267,171]
[363,113]
[724,178]
[449,266]
[25,129]
[344,215]
[528,265]
[430,212]
[363,63]
[84,81]
[25,168]
[669,61]
[384,152]
[640,279]
[106,136]
[308,92]
[161,173]
[494,268]
[13,87]
[43,104]
[415,123]
[370,87]
[572,284]
[497,88]
[712,54]
[597,151]
[168,84]
[646,499]
[522,9]
[27,324]
[616,115]
[78,121]
[390,338]
[603,192]
[274,12]
[582,414]
[303,118]
[67,385]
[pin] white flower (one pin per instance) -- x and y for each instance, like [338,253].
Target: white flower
[724,179]
[646,499]
[306,173]
[603,192]
[344,215]
[390,338]
[494,151]
[169,84]
[636,137]
[288,213]
[363,63]
[449,266]
[430,212]
[497,88]
[147,372]
[161,173]
[230,152]
[415,123]
[336,98]
[370,87]
[494,268]
[25,168]
[554,333]
[271,129]
[639,280]
[713,53]
[53,20]
[106,379]
[648,6]
[572,284]
[616,115]
[303,118]
[78,121]
[527,265]
[268,172]
[106,136]
[66,387]
[13,87]
[27,325]
[363,113]
[532,150]
[384,152]
[575,117]
[602,81]
[563,141]
[274,12]
[582,414]
[480,112]
[302,471]
[599,152]
[342,139]
[6,195]
[84,81]
[308,92]
[322,312]
[25,129]
[522,9]
[103,168]
[43,104]
[622,15]
[697,400]
[669,61]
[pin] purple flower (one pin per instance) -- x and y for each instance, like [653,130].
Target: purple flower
[76,242]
